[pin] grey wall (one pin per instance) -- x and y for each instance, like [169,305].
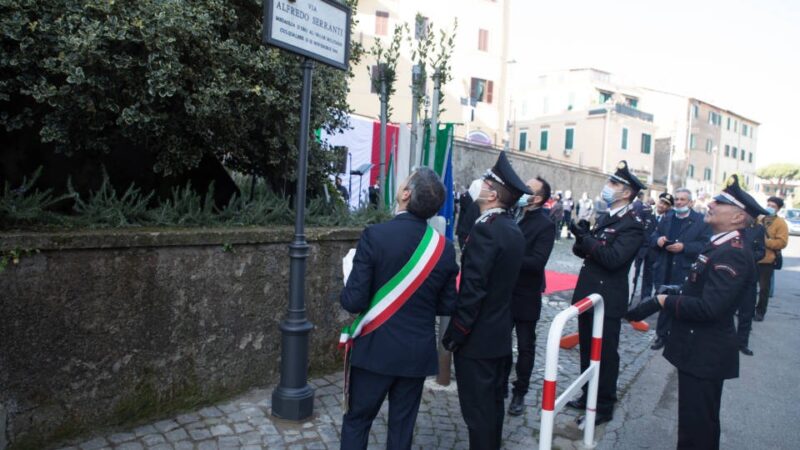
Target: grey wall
[470,161]
[108,327]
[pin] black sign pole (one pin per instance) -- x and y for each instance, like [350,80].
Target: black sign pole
[293,399]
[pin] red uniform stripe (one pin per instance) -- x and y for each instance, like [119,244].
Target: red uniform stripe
[406,294]
[597,346]
[549,395]
[583,305]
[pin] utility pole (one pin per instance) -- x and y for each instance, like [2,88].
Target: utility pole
[417,91]
[434,119]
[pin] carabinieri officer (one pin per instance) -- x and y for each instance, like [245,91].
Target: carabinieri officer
[608,251]
[479,334]
[702,342]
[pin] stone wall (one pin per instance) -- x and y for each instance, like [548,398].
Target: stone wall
[471,161]
[109,327]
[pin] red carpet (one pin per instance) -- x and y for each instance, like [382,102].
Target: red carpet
[557,281]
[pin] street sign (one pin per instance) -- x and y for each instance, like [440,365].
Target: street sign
[316,29]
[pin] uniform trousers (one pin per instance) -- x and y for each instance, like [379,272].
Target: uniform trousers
[698,412]
[647,276]
[609,360]
[480,394]
[765,272]
[367,393]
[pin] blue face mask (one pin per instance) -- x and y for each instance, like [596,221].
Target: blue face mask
[770,210]
[523,201]
[608,195]
[682,210]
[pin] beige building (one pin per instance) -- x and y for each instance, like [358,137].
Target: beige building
[585,117]
[479,63]
[702,143]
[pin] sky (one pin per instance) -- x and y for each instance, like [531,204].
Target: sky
[742,55]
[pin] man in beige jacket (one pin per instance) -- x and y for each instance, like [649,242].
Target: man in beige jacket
[776,240]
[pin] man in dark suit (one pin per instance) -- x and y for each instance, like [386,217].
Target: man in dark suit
[479,334]
[702,342]
[645,213]
[678,240]
[526,304]
[608,250]
[395,357]
[664,205]
[755,236]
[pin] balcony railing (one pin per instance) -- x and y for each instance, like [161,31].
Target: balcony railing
[625,110]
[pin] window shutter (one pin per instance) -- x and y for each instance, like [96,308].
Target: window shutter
[489,91]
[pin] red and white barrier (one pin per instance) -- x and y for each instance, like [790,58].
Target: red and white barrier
[552,405]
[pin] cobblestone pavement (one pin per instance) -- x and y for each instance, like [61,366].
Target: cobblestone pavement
[245,422]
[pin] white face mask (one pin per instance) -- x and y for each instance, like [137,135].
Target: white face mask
[475,189]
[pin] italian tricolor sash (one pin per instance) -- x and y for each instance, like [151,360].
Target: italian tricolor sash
[396,292]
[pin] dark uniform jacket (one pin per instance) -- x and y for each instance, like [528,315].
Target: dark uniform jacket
[608,252]
[539,233]
[702,340]
[405,345]
[489,269]
[694,235]
[645,213]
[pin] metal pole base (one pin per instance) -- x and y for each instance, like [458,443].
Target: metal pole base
[293,403]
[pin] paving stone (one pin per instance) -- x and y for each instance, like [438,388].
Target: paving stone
[147,429]
[184,419]
[166,425]
[221,430]
[176,435]
[209,412]
[119,438]
[94,444]
[130,446]
[183,445]
[208,445]
[153,439]
[163,446]
[200,434]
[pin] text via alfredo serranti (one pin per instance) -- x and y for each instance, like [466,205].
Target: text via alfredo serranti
[310,28]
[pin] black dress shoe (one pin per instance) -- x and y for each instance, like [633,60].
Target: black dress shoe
[517,406]
[758,318]
[577,404]
[746,351]
[658,344]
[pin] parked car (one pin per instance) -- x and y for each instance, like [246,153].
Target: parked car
[793,220]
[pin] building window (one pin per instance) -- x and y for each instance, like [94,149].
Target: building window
[727,150]
[751,158]
[481,90]
[633,102]
[743,154]
[714,118]
[691,171]
[724,176]
[569,139]
[707,174]
[645,143]
[381,23]
[605,96]
[709,146]
[543,140]
[523,140]
[483,40]
[744,129]
[695,111]
[729,123]
[735,125]
[624,138]
[734,152]
[421,27]
[692,142]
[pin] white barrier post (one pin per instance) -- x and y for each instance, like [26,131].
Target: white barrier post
[552,405]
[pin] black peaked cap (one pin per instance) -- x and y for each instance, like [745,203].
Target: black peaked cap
[623,175]
[666,197]
[733,194]
[503,173]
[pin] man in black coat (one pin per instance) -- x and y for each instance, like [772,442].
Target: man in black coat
[479,334]
[678,239]
[526,304]
[608,250]
[664,205]
[702,342]
[755,236]
[395,358]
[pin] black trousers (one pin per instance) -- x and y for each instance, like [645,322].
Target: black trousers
[647,276]
[480,394]
[526,354]
[765,272]
[567,219]
[367,393]
[609,360]
[698,412]
[744,321]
